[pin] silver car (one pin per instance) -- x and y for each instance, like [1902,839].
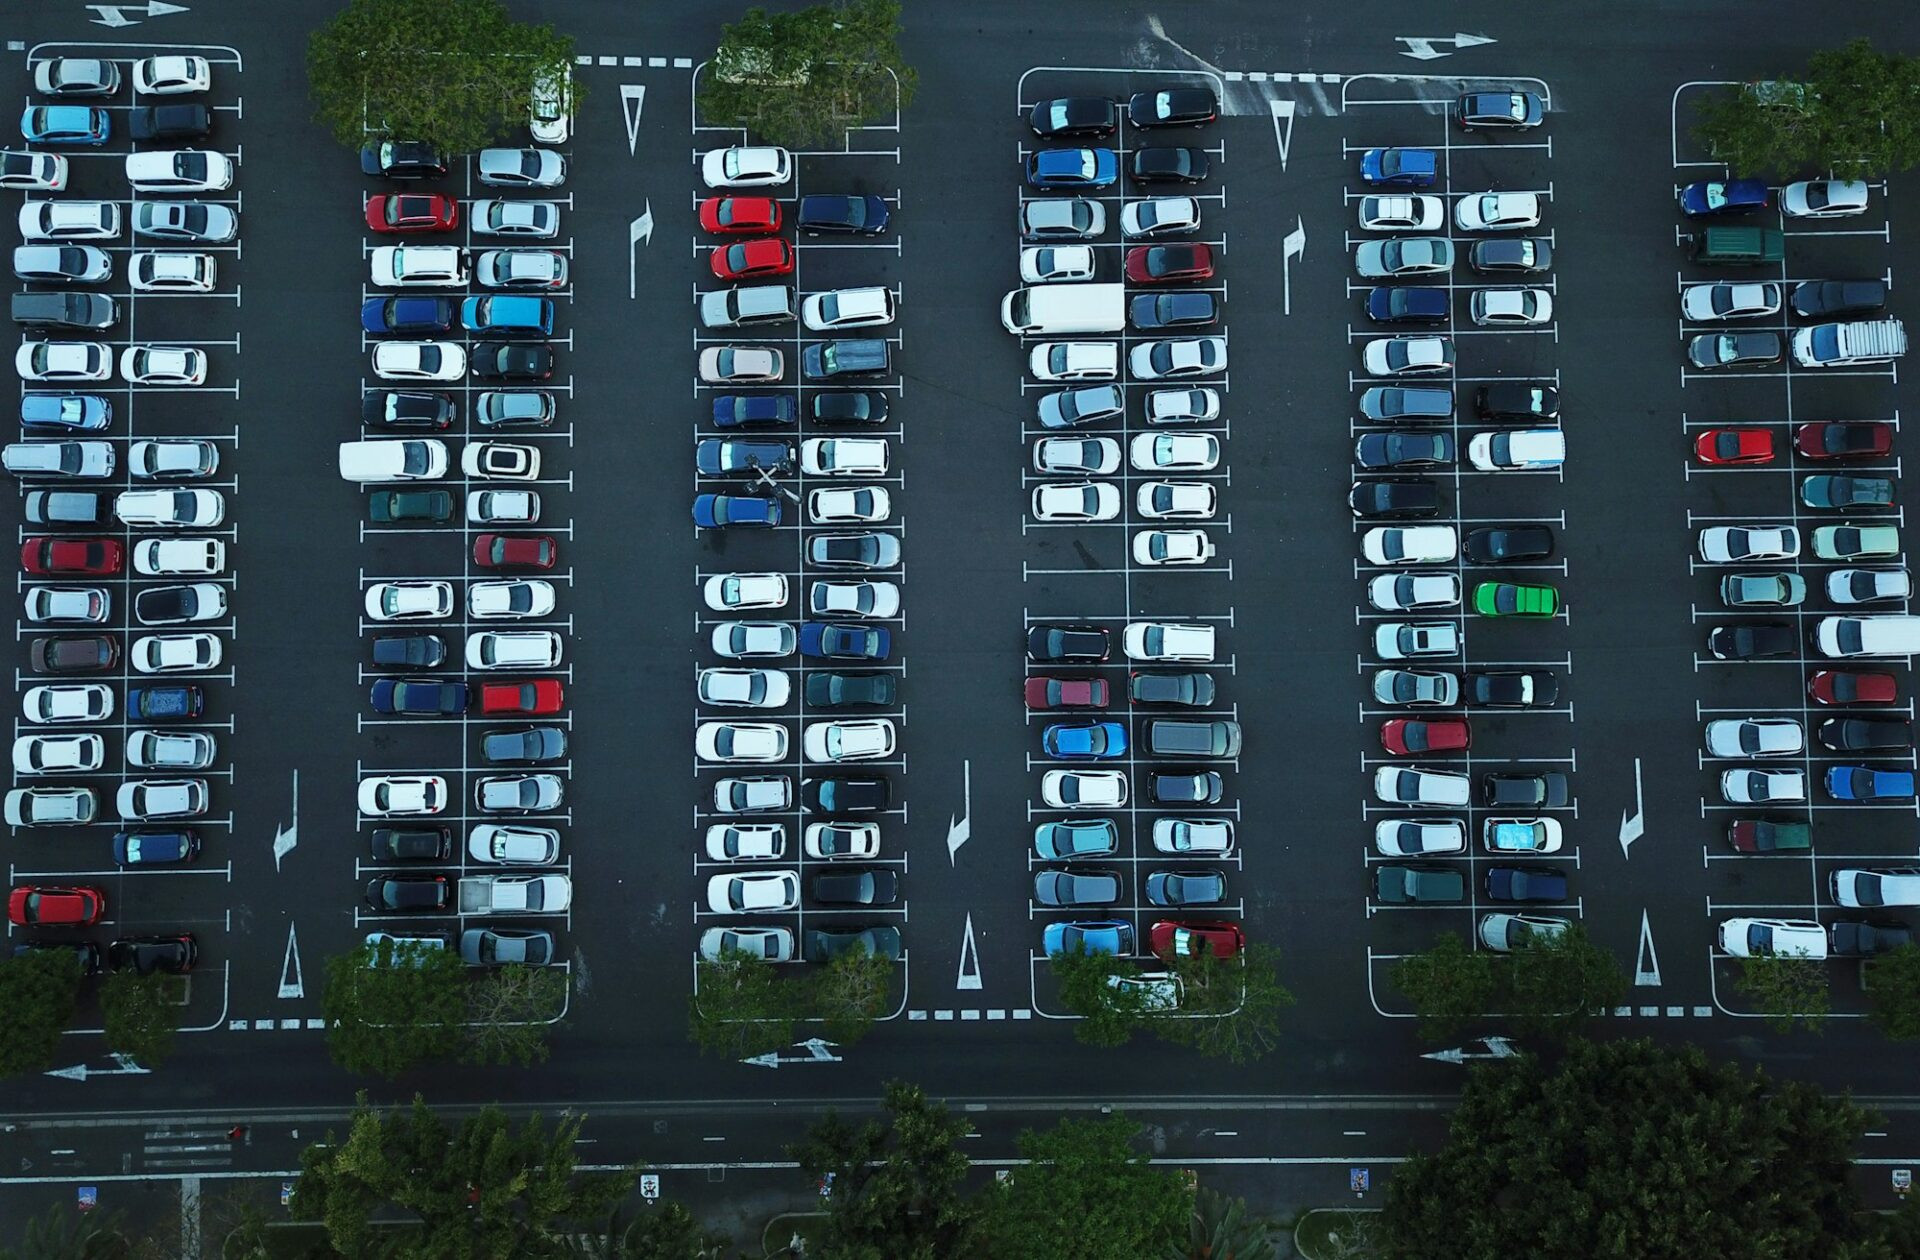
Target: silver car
[522,168]
[1404,256]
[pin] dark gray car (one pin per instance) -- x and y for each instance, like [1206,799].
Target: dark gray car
[1076,888]
[524,745]
[496,947]
[1168,737]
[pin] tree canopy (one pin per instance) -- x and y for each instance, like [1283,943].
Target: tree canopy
[1549,985]
[139,1015]
[1893,992]
[802,78]
[38,990]
[1085,1194]
[384,1018]
[1855,111]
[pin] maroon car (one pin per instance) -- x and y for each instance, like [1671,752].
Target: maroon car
[1066,693]
[1168,939]
[515,551]
[1169,264]
[1406,737]
[1865,439]
[1847,686]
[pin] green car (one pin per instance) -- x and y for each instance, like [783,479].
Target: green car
[394,507]
[1856,542]
[1511,599]
[1418,885]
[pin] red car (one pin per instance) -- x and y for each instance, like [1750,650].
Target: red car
[1405,737]
[1066,693]
[1863,440]
[1167,939]
[515,551]
[535,695]
[731,215]
[1169,264]
[45,557]
[752,260]
[47,907]
[412,212]
[1846,686]
[1746,445]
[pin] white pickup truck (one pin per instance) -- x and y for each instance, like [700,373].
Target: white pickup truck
[515,894]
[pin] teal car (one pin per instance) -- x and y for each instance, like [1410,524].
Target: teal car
[1515,599]
[396,507]
[1856,542]
[1762,590]
[505,315]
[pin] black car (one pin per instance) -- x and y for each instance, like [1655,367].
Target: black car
[74,654]
[847,794]
[1499,109]
[1173,107]
[405,409]
[403,159]
[1545,790]
[524,745]
[1074,116]
[164,605]
[1512,688]
[1390,404]
[501,361]
[1395,498]
[1861,938]
[1172,310]
[404,893]
[412,844]
[1525,883]
[401,651]
[849,406]
[821,212]
[1412,305]
[1516,400]
[1837,490]
[86,953]
[1170,788]
[1752,641]
[1194,688]
[856,888]
[1400,450]
[393,507]
[1815,298]
[1507,544]
[174,955]
[1525,254]
[1067,643]
[169,122]
[68,507]
[825,944]
[1158,165]
[854,551]
[829,690]
[1865,734]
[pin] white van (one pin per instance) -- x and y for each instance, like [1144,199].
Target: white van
[1868,636]
[411,459]
[1055,309]
[753,304]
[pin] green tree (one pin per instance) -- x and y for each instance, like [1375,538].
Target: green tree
[1893,992]
[1450,984]
[386,1014]
[38,991]
[1855,111]
[896,1188]
[140,1016]
[456,74]
[1230,1008]
[1553,984]
[1219,1228]
[803,78]
[1753,136]
[741,1007]
[850,993]
[1084,1193]
[1787,991]
[664,1231]
[1108,1016]
[1630,1151]
[508,1014]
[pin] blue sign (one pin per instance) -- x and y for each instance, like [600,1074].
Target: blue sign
[89,1197]
[1359,1180]
[286,1193]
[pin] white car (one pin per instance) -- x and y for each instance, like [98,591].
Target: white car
[55,703]
[1172,546]
[502,844]
[745,640]
[146,799]
[833,841]
[1160,216]
[1422,789]
[202,222]
[1092,457]
[1405,356]
[1074,361]
[1186,356]
[62,264]
[550,107]
[758,893]
[520,269]
[1057,501]
[1754,737]
[179,171]
[727,591]
[752,795]
[1167,641]
[1496,211]
[1045,264]
[853,503]
[171,509]
[69,221]
[513,649]
[49,807]
[59,459]
[744,688]
[1410,544]
[535,220]
[174,653]
[76,76]
[170,750]
[521,168]
[1083,789]
[402,266]
[848,741]
[388,795]
[503,507]
[409,601]
[1407,837]
[502,461]
[171,76]
[1777,938]
[746,842]
[1171,452]
[419,361]
[165,272]
[514,597]
[1868,586]
[767,944]
[1205,837]
[853,599]
[1823,198]
[844,457]
[63,361]
[58,754]
[33,172]
[163,365]
[79,605]
[1515,449]
[1855,888]
[1734,544]
[746,167]
[848,308]
[173,459]
[1751,785]
[740,741]
[1406,592]
[1510,308]
[725,365]
[1401,213]
[1411,640]
[1183,406]
[1177,500]
[1703,302]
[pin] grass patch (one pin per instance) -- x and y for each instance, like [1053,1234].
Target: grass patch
[1334,1234]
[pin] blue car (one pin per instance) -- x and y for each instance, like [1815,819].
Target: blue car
[830,212]
[1105,936]
[724,457]
[1171,310]
[407,315]
[844,643]
[717,511]
[1072,168]
[1525,883]
[508,316]
[156,848]
[418,695]
[1091,739]
[1861,783]
[64,124]
[1710,197]
[730,411]
[1399,168]
[65,413]
[1407,306]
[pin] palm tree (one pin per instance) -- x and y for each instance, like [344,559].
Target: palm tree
[1220,1229]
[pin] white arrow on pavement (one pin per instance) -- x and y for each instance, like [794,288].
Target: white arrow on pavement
[1282,137]
[960,827]
[640,230]
[1496,1048]
[286,839]
[1646,968]
[1634,825]
[633,97]
[816,1052]
[969,977]
[1422,47]
[80,1071]
[116,14]
[1294,246]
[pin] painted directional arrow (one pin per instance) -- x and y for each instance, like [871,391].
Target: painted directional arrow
[287,838]
[1282,136]
[1496,1048]
[1634,825]
[1293,246]
[1422,48]
[292,983]
[1646,967]
[969,977]
[124,1066]
[960,826]
[816,1052]
[633,97]
[116,14]
[639,231]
